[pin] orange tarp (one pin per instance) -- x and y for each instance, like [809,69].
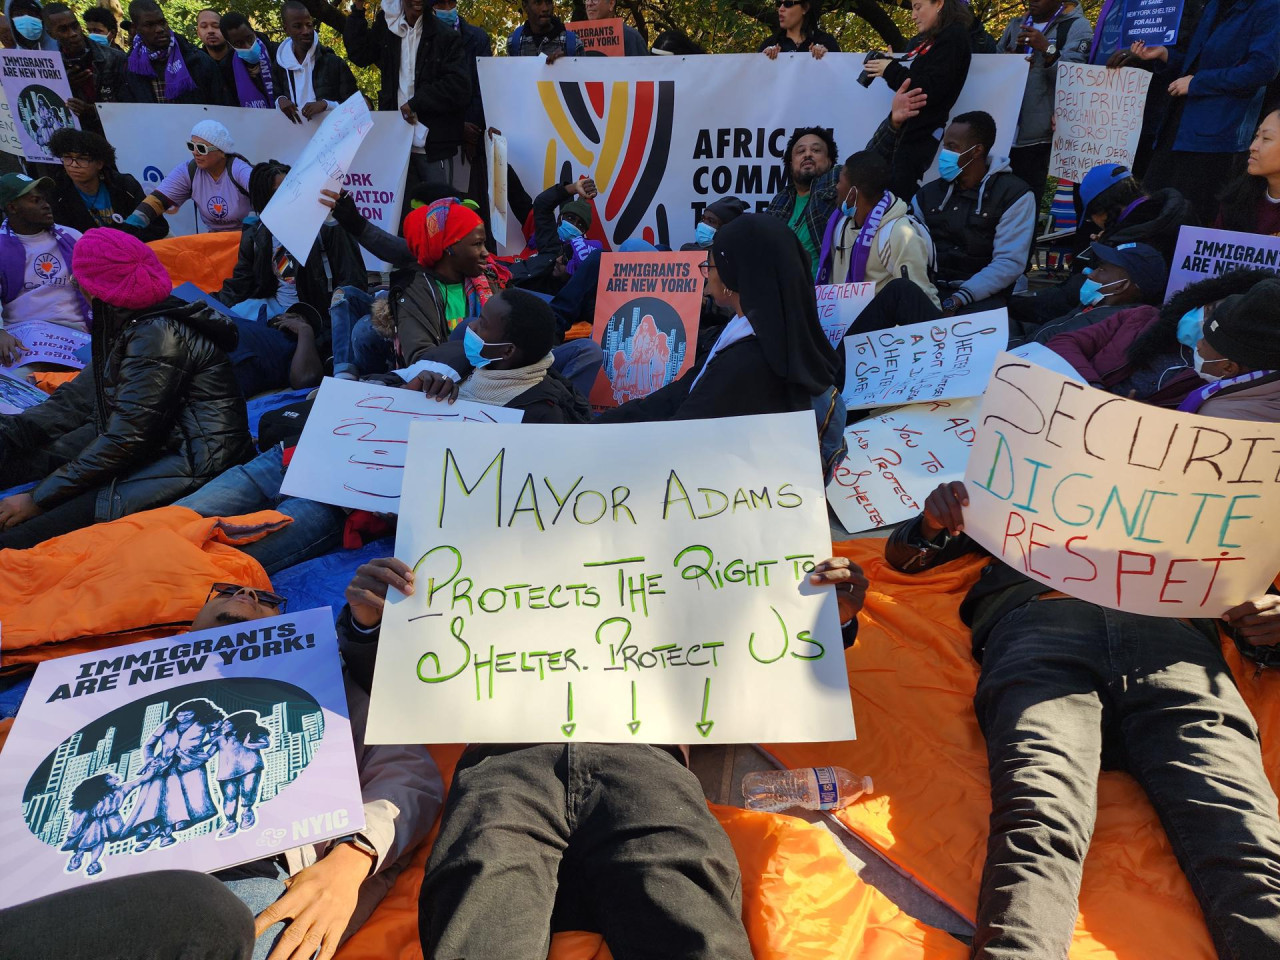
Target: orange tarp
[205,259]
[913,678]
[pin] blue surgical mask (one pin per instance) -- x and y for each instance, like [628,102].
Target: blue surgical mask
[29,27]
[251,56]
[1091,291]
[473,345]
[448,16]
[1190,327]
[567,231]
[100,39]
[949,165]
[848,209]
[703,234]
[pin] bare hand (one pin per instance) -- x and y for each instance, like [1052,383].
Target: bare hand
[817,51]
[907,103]
[294,324]
[1033,38]
[1118,59]
[435,385]
[320,901]
[289,109]
[1143,52]
[553,56]
[77,106]
[11,348]
[367,591]
[585,188]
[876,68]
[848,579]
[1180,87]
[314,109]
[471,135]
[410,117]
[942,510]
[1257,620]
[17,509]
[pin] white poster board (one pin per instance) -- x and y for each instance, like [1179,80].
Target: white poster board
[121,761]
[35,84]
[839,304]
[1097,118]
[633,583]
[495,156]
[897,458]
[45,342]
[937,360]
[1126,505]
[352,449]
[1042,356]
[10,143]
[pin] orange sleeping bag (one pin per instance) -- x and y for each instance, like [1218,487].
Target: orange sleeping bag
[913,677]
[205,259]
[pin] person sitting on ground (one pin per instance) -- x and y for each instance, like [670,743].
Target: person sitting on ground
[95,73]
[1238,357]
[559,245]
[873,238]
[543,34]
[808,197]
[313,78]
[26,17]
[215,179]
[981,217]
[798,31]
[90,192]
[155,416]
[101,26]
[633,44]
[165,68]
[714,216]
[209,33]
[248,73]
[1251,202]
[1129,274]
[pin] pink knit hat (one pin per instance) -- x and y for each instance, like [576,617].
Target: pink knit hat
[119,269]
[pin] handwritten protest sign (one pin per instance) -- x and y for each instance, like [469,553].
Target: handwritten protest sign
[937,360]
[45,342]
[352,448]
[18,395]
[295,214]
[1203,253]
[495,155]
[839,304]
[194,752]
[35,84]
[599,37]
[1097,117]
[1126,505]
[647,310]
[10,143]
[624,583]
[1154,22]
[897,458]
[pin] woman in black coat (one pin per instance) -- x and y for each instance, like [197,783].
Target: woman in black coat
[155,416]
[798,31]
[90,192]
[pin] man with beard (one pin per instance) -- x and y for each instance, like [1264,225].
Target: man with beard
[808,196]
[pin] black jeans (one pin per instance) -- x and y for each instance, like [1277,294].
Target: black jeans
[167,915]
[1067,688]
[911,158]
[612,838]
[33,466]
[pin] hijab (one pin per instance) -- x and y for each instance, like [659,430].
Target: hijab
[759,257]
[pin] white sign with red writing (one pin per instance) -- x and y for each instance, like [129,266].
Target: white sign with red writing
[1097,117]
[839,304]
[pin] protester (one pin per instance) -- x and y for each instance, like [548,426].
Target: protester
[808,196]
[559,246]
[714,216]
[216,179]
[1251,202]
[1049,34]
[798,31]
[1238,356]
[26,17]
[95,73]
[90,192]
[248,73]
[156,415]
[981,218]
[209,33]
[633,44]
[543,34]
[1218,84]
[102,27]
[873,238]
[936,63]
[672,43]
[165,68]
[312,77]
[475,44]
[1129,274]
[35,254]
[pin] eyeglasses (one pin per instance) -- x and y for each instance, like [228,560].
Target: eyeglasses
[789,3]
[69,160]
[706,266]
[265,597]
[200,149]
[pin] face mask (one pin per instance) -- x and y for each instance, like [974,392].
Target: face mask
[448,16]
[1199,365]
[703,234]
[848,209]
[252,55]
[567,231]
[100,39]
[473,345]
[29,27]
[949,165]
[1091,291]
[1190,326]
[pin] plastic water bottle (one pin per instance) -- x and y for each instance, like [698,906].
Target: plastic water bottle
[812,788]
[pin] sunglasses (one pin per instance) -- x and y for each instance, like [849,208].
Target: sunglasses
[265,597]
[200,149]
[789,3]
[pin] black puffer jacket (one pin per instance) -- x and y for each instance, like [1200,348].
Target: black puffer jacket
[167,414]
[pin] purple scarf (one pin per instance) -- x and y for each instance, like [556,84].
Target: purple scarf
[1199,396]
[177,78]
[861,245]
[247,91]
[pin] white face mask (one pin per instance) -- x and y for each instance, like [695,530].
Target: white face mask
[1199,365]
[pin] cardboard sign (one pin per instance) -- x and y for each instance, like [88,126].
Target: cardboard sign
[600,37]
[1202,253]
[647,311]
[1126,505]
[937,360]
[35,84]
[353,445]
[18,395]
[619,583]
[896,459]
[195,752]
[839,304]
[1154,22]
[495,155]
[45,342]
[10,143]
[1097,117]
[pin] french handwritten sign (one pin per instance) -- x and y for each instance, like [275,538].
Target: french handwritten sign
[839,305]
[1202,253]
[1097,117]
[938,360]
[897,458]
[1126,505]
[353,445]
[617,583]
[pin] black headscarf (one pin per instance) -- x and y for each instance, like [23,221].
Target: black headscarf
[759,258]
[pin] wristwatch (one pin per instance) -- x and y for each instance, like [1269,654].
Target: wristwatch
[360,843]
[1051,53]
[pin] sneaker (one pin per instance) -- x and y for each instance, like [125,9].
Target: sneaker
[74,863]
[167,842]
[227,831]
[93,869]
[247,820]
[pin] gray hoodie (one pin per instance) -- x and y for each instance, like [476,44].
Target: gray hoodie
[1035,120]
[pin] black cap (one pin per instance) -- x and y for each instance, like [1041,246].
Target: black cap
[1143,263]
[1245,327]
[727,209]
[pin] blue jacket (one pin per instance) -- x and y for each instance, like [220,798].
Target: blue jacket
[1231,65]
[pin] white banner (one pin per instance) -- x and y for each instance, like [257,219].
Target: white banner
[665,136]
[1097,118]
[619,583]
[151,139]
[1119,503]
[35,84]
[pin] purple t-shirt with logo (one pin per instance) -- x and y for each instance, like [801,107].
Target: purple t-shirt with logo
[219,203]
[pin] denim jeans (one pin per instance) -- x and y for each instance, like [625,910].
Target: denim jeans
[358,349]
[316,527]
[258,885]
[578,361]
[1068,687]
[622,831]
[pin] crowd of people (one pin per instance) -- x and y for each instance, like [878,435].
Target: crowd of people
[158,417]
